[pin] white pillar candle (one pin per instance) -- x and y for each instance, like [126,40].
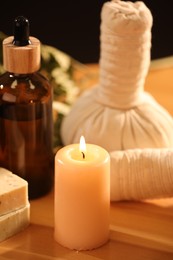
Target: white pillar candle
[82,196]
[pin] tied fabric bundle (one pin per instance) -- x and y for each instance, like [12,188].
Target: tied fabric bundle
[118,114]
[140,174]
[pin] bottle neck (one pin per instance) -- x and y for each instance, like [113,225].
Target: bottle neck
[17,75]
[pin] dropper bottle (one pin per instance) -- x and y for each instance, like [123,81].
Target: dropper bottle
[26,126]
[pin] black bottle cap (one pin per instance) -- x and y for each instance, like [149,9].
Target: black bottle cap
[17,57]
[21,31]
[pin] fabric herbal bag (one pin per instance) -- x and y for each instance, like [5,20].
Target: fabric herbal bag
[118,114]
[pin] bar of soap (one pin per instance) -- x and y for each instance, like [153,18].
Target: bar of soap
[13,192]
[14,222]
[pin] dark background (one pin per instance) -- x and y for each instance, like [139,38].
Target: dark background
[74,26]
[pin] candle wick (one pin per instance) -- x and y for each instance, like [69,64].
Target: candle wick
[83,155]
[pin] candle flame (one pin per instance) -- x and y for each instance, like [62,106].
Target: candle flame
[82,146]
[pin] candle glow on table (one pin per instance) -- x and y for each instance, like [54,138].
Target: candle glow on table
[82,196]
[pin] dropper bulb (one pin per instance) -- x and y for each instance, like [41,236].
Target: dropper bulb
[21,31]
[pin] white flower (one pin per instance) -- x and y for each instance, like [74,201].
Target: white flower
[62,58]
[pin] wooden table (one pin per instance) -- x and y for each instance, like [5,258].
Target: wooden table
[138,230]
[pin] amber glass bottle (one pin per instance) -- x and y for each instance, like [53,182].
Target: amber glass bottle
[26,127]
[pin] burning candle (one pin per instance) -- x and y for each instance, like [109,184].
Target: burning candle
[82,196]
